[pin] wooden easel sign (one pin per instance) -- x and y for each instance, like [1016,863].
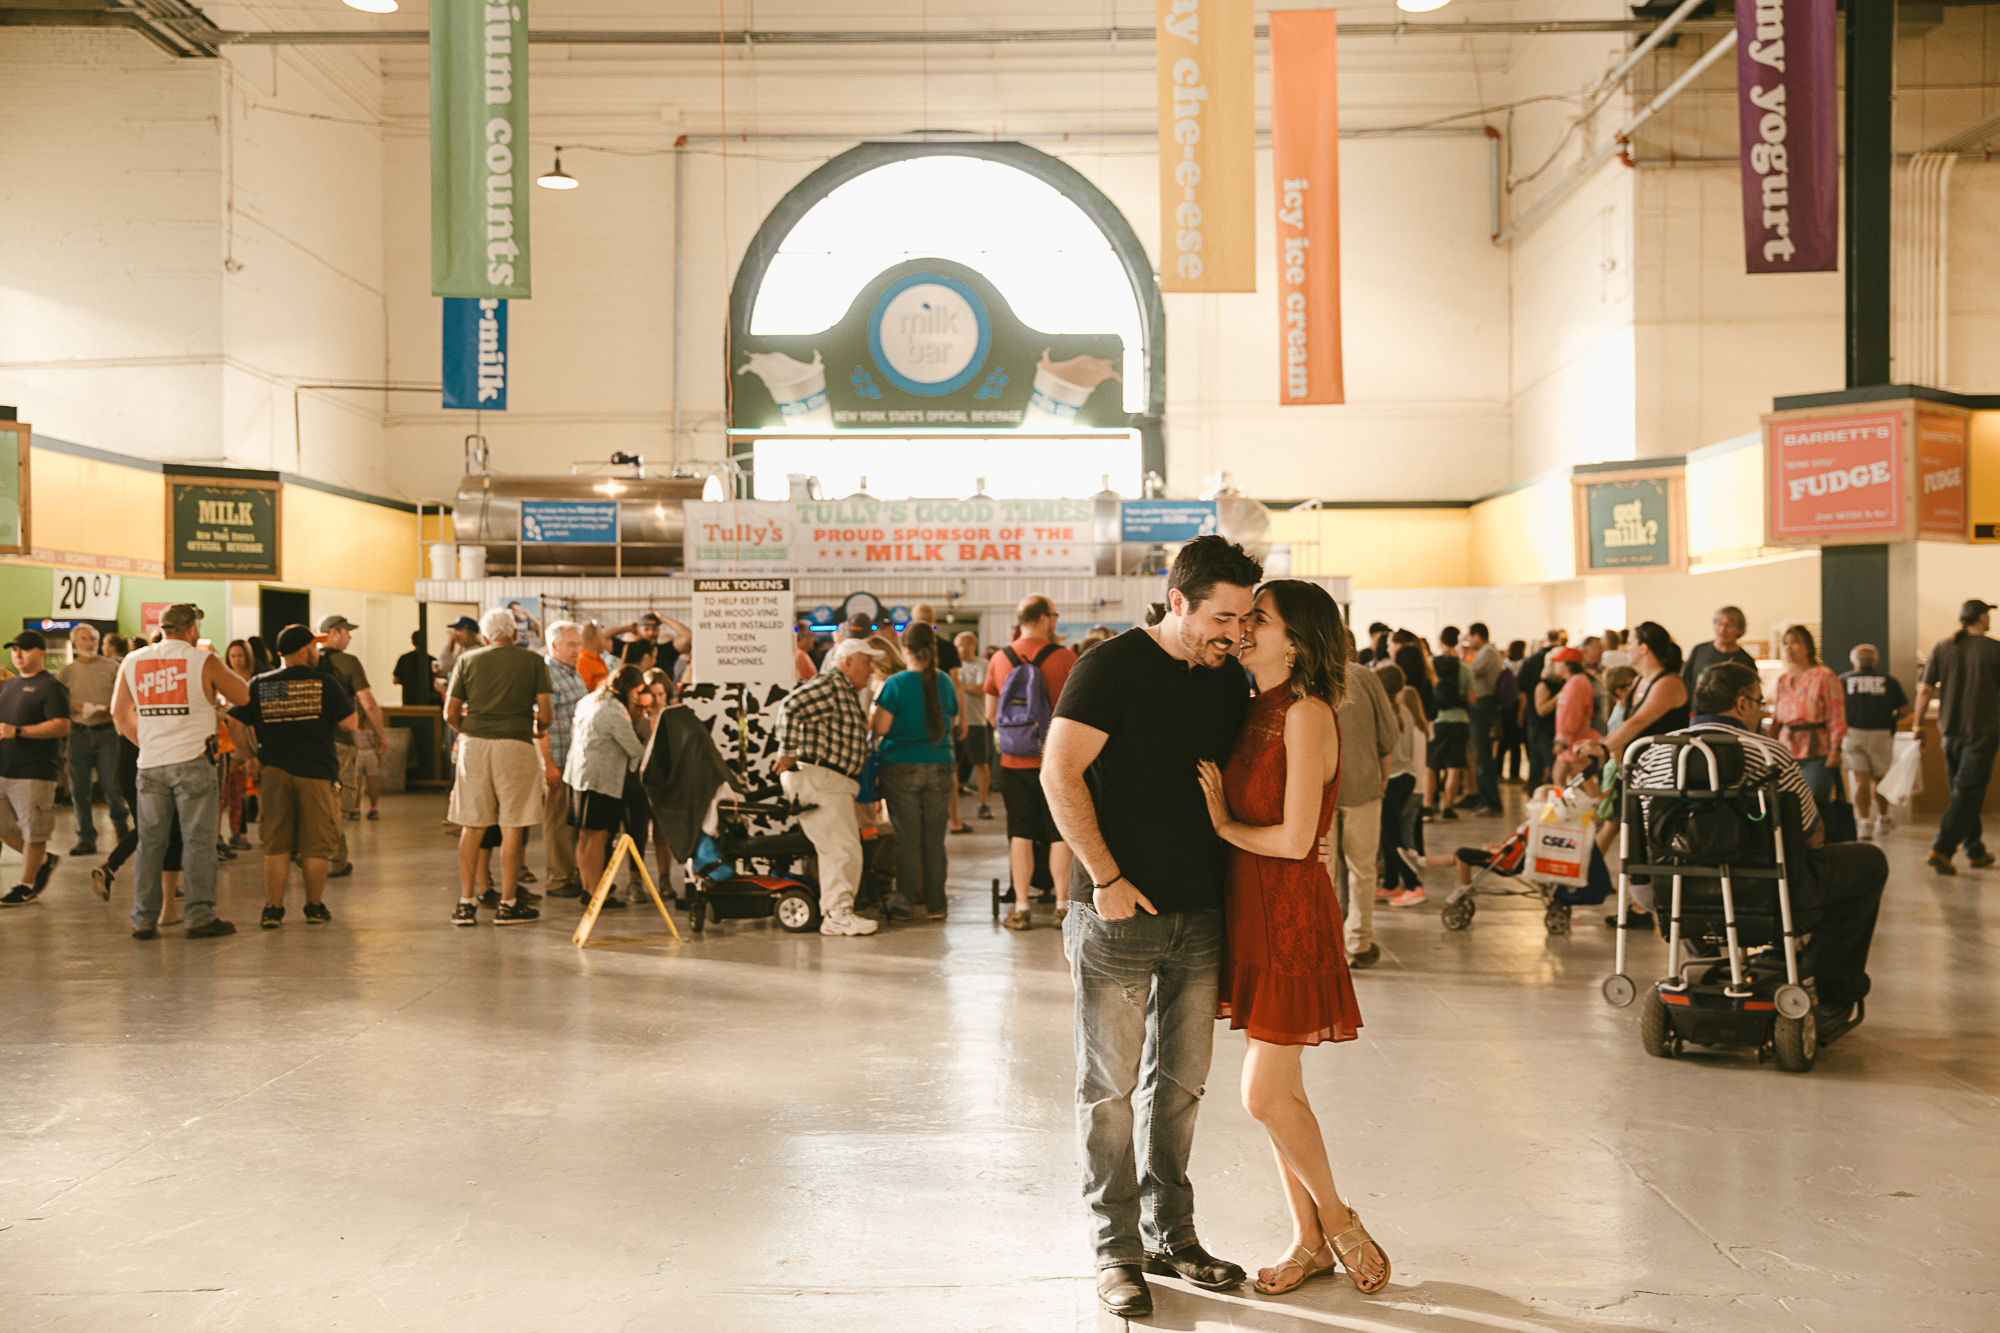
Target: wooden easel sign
[625,847]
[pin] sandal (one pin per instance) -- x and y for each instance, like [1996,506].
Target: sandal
[1021,920]
[1302,1259]
[1349,1244]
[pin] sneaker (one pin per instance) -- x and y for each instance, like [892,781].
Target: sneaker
[1411,859]
[1022,920]
[1937,861]
[490,900]
[1448,814]
[1384,895]
[100,881]
[1979,862]
[84,849]
[1427,813]
[515,914]
[317,915]
[1883,823]
[465,914]
[1409,898]
[962,828]
[986,812]
[145,933]
[241,842]
[1482,811]
[49,864]
[20,896]
[898,913]
[374,814]
[846,923]
[211,929]
[341,871]
[273,918]
[353,816]
[1368,957]
[1864,828]
[569,890]
[611,900]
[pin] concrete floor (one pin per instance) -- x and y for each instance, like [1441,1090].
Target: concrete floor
[389,1124]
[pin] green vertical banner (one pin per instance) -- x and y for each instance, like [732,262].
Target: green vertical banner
[479,149]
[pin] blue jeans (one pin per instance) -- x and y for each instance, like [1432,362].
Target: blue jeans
[919,798]
[190,790]
[1145,1030]
[95,748]
[1820,778]
[1969,762]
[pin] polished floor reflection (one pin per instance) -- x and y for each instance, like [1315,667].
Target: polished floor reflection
[390,1124]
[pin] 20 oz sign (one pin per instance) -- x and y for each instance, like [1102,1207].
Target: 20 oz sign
[86,596]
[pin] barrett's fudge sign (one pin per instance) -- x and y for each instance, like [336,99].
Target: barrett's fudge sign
[219,529]
[1837,476]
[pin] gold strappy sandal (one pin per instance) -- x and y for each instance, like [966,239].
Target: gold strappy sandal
[1349,1244]
[1302,1259]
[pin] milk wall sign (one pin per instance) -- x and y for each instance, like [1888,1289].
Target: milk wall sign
[927,345]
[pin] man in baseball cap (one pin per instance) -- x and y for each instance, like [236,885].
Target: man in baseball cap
[1963,673]
[823,742]
[359,762]
[295,713]
[34,717]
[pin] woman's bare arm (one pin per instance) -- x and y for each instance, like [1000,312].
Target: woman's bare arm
[1312,757]
[1667,691]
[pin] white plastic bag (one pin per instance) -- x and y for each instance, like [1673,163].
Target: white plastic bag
[1905,777]
[1558,854]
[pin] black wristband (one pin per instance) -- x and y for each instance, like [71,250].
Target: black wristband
[1095,886]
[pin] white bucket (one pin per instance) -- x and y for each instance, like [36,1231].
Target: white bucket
[799,389]
[1057,396]
[444,559]
[472,562]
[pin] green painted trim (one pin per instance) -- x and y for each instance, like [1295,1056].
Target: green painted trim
[1887,393]
[1629,465]
[55,446]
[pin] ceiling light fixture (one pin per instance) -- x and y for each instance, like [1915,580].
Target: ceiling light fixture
[373,6]
[1420,6]
[557,178]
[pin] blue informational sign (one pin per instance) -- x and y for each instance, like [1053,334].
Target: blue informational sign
[572,521]
[1166,520]
[475,354]
[825,615]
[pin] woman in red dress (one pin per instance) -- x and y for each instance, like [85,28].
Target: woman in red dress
[1284,978]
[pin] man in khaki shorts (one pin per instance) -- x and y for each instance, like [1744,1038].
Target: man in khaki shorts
[295,713]
[336,635]
[499,699]
[34,717]
[1876,706]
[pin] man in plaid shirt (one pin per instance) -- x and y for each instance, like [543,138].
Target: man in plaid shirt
[565,639]
[823,743]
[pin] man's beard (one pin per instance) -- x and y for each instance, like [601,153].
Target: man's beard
[1200,648]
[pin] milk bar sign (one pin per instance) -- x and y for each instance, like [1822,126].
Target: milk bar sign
[222,529]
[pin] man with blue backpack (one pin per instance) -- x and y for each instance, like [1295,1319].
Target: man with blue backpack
[1023,682]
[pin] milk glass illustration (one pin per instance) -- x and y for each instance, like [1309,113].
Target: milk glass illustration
[798,388]
[1062,388]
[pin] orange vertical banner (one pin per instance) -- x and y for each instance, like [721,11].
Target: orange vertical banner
[1305,170]
[1207,53]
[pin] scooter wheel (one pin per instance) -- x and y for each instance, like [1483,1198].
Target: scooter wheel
[1655,1033]
[1797,1042]
[697,914]
[996,900]
[796,910]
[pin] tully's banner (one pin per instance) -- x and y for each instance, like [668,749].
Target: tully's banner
[1305,171]
[1208,145]
[888,537]
[479,149]
[927,345]
[1786,98]
[219,528]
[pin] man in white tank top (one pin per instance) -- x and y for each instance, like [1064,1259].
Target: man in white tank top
[164,704]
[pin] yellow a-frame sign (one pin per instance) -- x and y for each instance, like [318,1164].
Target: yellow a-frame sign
[626,847]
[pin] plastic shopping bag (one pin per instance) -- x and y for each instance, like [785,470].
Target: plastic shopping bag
[1559,854]
[1905,777]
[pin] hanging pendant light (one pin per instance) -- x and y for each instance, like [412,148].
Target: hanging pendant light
[557,178]
[1420,6]
[373,6]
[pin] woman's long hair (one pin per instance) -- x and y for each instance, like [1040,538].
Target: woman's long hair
[1804,636]
[620,684]
[1660,644]
[1416,673]
[249,657]
[1320,646]
[892,659]
[920,642]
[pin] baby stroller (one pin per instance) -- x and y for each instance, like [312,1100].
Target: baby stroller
[726,888]
[1504,874]
[1732,937]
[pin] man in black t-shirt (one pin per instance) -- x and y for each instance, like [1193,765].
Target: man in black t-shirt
[1963,674]
[295,713]
[1875,704]
[34,717]
[1135,717]
[416,672]
[1729,624]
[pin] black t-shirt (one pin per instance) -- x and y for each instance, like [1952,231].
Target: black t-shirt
[1966,674]
[414,674]
[633,651]
[1705,655]
[1873,700]
[296,712]
[1162,717]
[947,655]
[1526,678]
[24,702]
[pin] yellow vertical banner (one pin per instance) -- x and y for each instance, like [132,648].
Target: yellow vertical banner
[1208,146]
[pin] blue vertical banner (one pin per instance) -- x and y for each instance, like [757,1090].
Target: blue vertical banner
[475,353]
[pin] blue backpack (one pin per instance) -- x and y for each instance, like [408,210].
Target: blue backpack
[1024,711]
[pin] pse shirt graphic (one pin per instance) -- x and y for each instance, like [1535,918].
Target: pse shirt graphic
[161,687]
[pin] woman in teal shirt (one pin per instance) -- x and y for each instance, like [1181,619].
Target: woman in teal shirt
[916,715]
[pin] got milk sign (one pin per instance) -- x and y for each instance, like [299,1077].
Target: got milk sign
[1629,520]
[1860,473]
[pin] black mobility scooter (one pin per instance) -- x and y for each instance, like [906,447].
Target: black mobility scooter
[1730,850]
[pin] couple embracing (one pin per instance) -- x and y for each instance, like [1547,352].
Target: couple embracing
[1195,813]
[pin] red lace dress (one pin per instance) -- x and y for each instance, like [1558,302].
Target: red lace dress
[1284,961]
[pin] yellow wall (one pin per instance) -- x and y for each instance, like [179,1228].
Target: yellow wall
[335,542]
[1982,469]
[1725,503]
[1524,536]
[1380,548]
[80,504]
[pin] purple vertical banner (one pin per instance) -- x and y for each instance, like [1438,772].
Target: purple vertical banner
[1787,95]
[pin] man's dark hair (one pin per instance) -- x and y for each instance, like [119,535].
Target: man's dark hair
[1377,628]
[1479,627]
[1448,636]
[1207,561]
[1722,685]
[1517,650]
